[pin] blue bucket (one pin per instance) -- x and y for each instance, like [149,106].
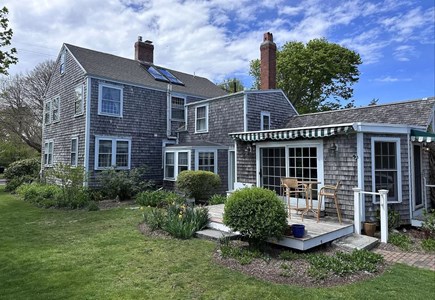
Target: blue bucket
[298,230]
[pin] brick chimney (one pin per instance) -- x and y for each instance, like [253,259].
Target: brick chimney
[144,51]
[268,63]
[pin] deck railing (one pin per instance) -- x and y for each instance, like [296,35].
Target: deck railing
[383,209]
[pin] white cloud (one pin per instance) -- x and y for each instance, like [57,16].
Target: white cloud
[389,79]
[214,38]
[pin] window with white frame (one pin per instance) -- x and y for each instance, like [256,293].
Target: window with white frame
[110,100]
[177,108]
[112,152]
[55,110]
[74,151]
[386,168]
[78,101]
[176,161]
[48,153]
[265,120]
[62,62]
[47,112]
[201,118]
[206,161]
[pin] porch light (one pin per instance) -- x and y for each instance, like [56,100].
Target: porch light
[333,149]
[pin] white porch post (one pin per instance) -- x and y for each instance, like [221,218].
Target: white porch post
[357,210]
[384,215]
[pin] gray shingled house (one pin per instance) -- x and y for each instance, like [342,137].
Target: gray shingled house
[374,147]
[103,110]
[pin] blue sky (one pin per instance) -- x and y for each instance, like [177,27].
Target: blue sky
[217,39]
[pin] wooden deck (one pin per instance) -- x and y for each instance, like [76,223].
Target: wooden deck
[328,229]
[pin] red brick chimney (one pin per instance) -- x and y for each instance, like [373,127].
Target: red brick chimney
[268,63]
[144,51]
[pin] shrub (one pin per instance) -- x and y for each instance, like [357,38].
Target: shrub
[198,184]
[217,199]
[393,218]
[123,184]
[428,245]
[429,222]
[256,213]
[158,198]
[42,195]
[400,240]
[93,206]
[179,221]
[20,172]
[182,221]
[25,167]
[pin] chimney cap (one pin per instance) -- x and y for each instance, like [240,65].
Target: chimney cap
[148,42]
[268,36]
[139,38]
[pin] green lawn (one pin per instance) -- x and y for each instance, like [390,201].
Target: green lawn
[51,254]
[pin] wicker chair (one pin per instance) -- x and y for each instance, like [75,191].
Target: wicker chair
[291,186]
[329,191]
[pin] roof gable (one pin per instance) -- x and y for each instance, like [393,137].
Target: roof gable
[122,69]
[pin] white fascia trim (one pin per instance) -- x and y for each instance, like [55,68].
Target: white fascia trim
[296,128]
[215,98]
[245,112]
[398,164]
[75,59]
[143,86]
[100,99]
[87,126]
[235,161]
[384,128]
[291,104]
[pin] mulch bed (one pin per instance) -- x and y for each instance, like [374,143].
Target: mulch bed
[295,272]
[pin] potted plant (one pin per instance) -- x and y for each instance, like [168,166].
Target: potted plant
[369,228]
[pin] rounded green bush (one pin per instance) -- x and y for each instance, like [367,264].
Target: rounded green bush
[256,213]
[158,198]
[198,184]
[25,167]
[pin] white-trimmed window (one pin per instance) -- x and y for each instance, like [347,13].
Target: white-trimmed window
[112,152]
[47,112]
[176,161]
[177,108]
[55,110]
[48,153]
[206,160]
[201,118]
[265,120]
[62,62]
[386,168]
[78,101]
[74,151]
[110,100]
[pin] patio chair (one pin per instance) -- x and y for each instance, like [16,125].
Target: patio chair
[291,186]
[329,191]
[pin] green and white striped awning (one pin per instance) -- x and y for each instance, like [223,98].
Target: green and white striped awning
[421,136]
[290,134]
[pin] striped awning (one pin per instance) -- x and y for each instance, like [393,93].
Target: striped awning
[290,134]
[421,136]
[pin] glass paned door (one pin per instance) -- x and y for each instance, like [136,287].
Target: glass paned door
[418,190]
[272,168]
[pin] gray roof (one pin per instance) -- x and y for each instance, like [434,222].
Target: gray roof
[413,113]
[131,71]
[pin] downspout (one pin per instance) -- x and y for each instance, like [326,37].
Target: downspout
[168,111]
[411,192]
[360,171]
[87,129]
[245,112]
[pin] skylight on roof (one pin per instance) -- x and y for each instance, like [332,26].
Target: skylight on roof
[171,77]
[156,74]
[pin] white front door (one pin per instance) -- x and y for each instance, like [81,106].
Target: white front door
[418,201]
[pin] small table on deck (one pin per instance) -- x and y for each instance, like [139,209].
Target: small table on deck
[308,197]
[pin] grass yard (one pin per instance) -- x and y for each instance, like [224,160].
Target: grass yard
[53,254]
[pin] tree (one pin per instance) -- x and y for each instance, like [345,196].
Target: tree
[233,85]
[315,76]
[6,57]
[21,104]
